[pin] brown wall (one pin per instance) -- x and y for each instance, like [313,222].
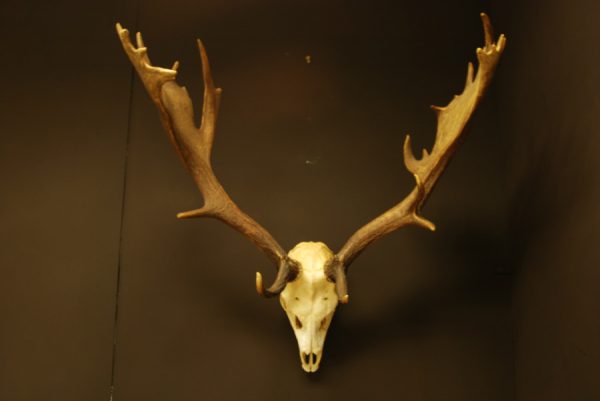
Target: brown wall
[63,126]
[312,151]
[549,93]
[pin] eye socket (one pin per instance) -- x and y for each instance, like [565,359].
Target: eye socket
[323,324]
[297,322]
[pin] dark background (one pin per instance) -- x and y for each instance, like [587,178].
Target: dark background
[501,303]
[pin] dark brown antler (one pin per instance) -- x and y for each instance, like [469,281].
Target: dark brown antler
[193,145]
[451,120]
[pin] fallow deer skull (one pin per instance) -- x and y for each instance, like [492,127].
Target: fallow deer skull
[310,301]
[311,279]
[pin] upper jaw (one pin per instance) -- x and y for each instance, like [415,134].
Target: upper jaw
[310,360]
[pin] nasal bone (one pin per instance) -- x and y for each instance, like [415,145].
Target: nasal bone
[310,361]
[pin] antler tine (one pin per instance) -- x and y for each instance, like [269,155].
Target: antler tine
[212,97]
[451,121]
[194,146]
[152,77]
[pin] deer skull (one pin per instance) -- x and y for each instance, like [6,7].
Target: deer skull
[310,301]
[310,279]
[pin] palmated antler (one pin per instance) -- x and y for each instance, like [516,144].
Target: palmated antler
[193,145]
[451,121]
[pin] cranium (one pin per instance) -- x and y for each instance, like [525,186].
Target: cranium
[311,279]
[310,301]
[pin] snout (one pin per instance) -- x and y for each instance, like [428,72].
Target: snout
[310,360]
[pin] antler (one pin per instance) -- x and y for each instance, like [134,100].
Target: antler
[451,120]
[193,145]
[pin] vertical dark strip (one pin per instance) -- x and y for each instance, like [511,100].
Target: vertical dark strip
[121,225]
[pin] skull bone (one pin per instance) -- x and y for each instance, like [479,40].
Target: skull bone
[310,301]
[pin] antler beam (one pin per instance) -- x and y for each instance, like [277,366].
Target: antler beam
[451,121]
[194,144]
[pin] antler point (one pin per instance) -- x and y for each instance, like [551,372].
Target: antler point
[193,213]
[123,34]
[501,43]
[409,159]
[423,222]
[470,72]
[417,180]
[139,39]
[487,29]
[407,145]
[201,47]
[259,284]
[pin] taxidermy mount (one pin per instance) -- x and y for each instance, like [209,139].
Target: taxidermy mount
[311,279]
